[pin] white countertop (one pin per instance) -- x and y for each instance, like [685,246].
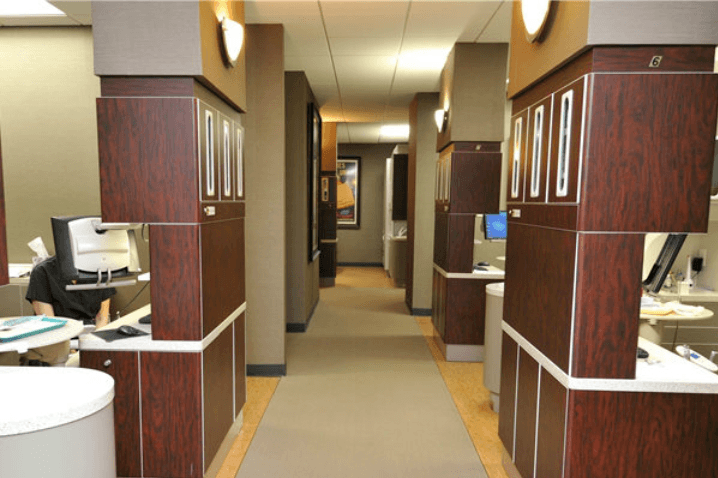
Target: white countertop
[71,329]
[696,294]
[38,398]
[662,372]
[493,273]
[145,343]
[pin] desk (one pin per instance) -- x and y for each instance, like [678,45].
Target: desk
[71,329]
[651,325]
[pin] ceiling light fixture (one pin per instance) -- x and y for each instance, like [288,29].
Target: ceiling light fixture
[535,13]
[29,8]
[233,38]
[442,118]
[423,59]
[398,131]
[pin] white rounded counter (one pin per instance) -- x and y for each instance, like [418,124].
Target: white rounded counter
[56,422]
[492,341]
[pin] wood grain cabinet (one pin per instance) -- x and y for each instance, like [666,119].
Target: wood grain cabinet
[608,147]
[467,183]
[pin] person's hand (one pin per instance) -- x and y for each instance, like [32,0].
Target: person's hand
[101,320]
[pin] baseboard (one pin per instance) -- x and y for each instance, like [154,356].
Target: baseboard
[360,264]
[421,312]
[296,327]
[267,370]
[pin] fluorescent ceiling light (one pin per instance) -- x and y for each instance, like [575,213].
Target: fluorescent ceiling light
[423,59]
[395,131]
[28,8]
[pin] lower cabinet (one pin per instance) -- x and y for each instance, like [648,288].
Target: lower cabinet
[174,408]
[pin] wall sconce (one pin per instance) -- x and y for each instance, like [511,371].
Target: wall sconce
[233,38]
[442,118]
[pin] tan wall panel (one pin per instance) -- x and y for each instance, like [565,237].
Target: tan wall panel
[265,188]
[230,81]
[329,146]
[565,35]
[49,131]
[426,157]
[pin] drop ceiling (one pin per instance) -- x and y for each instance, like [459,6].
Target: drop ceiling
[365,60]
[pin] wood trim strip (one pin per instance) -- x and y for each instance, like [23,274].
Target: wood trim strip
[146,86]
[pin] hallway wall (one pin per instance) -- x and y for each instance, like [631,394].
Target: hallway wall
[364,245]
[302,275]
[265,184]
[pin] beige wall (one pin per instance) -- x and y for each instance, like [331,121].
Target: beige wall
[48,126]
[364,245]
[302,275]
[473,83]
[265,189]
[426,157]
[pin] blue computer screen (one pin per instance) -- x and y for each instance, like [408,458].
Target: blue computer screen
[495,226]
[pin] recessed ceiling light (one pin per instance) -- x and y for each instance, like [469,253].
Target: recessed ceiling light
[423,59]
[28,8]
[399,131]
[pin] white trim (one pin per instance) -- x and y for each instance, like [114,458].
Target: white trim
[538,415]
[672,381]
[573,304]
[139,396]
[564,147]
[516,402]
[490,274]
[548,149]
[516,157]
[146,344]
[582,138]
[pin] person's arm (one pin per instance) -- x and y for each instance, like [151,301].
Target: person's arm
[103,316]
[43,308]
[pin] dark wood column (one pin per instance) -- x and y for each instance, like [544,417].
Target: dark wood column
[631,150]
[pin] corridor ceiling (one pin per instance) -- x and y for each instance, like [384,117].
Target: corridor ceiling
[364,59]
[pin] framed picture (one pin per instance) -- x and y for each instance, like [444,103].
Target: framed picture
[348,189]
[315,151]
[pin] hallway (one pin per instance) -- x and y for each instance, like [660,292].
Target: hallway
[363,396]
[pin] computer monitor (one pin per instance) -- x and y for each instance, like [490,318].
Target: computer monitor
[86,253]
[657,276]
[495,226]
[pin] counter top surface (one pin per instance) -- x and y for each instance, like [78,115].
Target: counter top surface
[662,372]
[38,398]
[493,273]
[145,343]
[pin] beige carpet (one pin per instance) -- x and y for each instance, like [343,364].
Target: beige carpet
[362,398]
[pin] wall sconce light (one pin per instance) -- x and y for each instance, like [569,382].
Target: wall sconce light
[441,117]
[233,38]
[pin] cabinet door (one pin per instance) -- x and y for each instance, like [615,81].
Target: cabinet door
[238,161]
[122,366]
[517,159]
[226,158]
[566,142]
[208,152]
[539,125]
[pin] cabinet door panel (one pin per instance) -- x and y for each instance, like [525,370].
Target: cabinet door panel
[209,152]
[566,142]
[122,366]
[539,117]
[517,158]
[226,158]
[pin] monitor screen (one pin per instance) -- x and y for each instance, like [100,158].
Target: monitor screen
[662,266]
[495,226]
[85,253]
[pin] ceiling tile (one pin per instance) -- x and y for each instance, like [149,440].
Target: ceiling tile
[364,19]
[480,21]
[37,21]
[346,46]
[263,11]
[499,28]
[435,19]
